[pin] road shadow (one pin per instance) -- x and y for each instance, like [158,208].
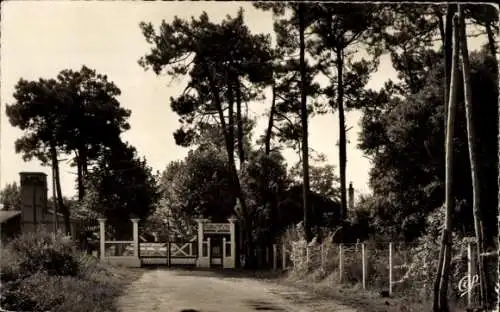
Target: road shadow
[221,273]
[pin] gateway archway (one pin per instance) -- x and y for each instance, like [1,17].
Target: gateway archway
[216,244]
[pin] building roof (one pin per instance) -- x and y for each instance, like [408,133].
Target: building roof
[8,214]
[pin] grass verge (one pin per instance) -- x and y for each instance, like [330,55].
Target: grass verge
[40,272]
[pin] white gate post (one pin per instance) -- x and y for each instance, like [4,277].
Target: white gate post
[209,251]
[232,227]
[135,227]
[102,236]
[390,269]
[224,252]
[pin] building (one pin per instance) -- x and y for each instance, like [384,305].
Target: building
[34,213]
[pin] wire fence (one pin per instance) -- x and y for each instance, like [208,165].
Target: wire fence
[400,269]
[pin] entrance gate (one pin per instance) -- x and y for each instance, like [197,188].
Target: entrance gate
[169,253]
[214,246]
[217,242]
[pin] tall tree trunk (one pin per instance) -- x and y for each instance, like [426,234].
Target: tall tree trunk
[239,123]
[342,134]
[232,165]
[442,277]
[81,168]
[304,117]
[447,51]
[60,203]
[474,164]
[271,194]
[269,132]
[491,40]
[54,195]
[230,119]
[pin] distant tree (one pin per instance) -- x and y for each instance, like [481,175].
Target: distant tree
[121,186]
[293,84]
[343,28]
[10,197]
[77,112]
[40,111]
[217,57]
[94,118]
[324,181]
[264,180]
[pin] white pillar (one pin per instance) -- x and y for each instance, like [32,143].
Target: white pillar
[102,230]
[200,237]
[209,251]
[135,224]
[232,228]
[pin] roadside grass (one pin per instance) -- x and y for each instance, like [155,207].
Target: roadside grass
[353,295]
[40,272]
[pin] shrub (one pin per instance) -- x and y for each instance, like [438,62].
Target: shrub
[42,272]
[42,251]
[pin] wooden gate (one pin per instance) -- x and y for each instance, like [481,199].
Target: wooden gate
[169,253]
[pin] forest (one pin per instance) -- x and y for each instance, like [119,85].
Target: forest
[431,136]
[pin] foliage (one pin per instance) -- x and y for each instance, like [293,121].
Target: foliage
[121,186]
[228,48]
[198,186]
[45,283]
[41,252]
[264,179]
[10,197]
[323,179]
[407,176]
[76,112]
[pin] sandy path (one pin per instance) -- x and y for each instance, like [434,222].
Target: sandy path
[202,291]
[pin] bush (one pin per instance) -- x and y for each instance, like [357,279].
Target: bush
[42,252]
[41,272]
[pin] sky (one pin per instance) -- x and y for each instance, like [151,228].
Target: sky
[41,38]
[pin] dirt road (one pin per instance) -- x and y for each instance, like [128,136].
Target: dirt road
[204,291]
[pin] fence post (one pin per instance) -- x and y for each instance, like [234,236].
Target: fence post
[275,257]
[471,272]
[390,269]
[341,262]
[102,237]
[363,260]
[283,256]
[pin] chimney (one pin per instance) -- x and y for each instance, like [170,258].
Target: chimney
[351,197]
[33,199]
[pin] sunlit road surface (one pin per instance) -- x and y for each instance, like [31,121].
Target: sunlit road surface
[207,291]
